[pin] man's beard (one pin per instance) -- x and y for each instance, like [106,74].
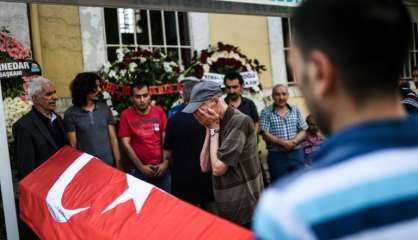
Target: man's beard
[320,115]
[233,96]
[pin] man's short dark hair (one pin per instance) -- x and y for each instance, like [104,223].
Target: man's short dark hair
[367,41]
[232,76]
[82,85]
[139,85]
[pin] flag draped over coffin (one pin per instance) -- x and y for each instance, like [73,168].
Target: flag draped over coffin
[73,195]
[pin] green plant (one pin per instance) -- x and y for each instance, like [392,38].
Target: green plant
[149,67]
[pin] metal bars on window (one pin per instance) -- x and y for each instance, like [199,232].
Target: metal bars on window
[412,60]
[287,37]
[142,28]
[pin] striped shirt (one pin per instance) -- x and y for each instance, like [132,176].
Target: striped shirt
[285,128]
[364,187]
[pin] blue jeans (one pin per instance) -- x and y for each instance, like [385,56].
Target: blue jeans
[283,163]
[163,182]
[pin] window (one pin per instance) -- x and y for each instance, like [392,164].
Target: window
[132,28]
[287,36]
[412,60]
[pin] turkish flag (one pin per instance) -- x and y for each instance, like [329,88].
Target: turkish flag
[76,196]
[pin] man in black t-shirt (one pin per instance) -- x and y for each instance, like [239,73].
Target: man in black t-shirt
[234,84]
[183,142]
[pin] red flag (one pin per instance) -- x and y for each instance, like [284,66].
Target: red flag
[75,196]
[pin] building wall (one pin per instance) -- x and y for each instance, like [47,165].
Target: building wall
[14,17]
[57,43]
[250,33]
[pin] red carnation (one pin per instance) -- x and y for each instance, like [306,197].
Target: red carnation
[203,57]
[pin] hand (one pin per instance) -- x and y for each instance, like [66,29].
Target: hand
[161,169]
[119,165]
[288,145]
[148,170]
[208,118]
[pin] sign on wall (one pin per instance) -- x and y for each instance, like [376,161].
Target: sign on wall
[19,68]
[250,78]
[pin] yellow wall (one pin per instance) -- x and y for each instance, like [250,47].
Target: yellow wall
[294,101]
[300,103]
[57,43]
[249,33]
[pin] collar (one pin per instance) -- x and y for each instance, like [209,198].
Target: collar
[53,117]
[243,100]
[84,110]
[367,137]
[273,107]
[49,119]
[229,112]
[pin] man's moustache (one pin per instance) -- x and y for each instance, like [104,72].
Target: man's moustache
[233,95]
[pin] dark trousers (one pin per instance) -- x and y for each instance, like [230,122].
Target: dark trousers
[163,182]
[25,232]
[284,163]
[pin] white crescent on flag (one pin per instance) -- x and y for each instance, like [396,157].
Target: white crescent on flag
[54,197]
[76,196]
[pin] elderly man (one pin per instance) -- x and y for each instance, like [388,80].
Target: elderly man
[283,128]
[229,151]
[39,133]
[364,185]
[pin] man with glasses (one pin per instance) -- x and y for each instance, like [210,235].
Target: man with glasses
[142,128]
[89,124]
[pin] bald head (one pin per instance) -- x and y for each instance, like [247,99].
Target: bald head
[280,95]
[284,87]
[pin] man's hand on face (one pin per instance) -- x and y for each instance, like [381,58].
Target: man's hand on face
[209,118]
[199,118]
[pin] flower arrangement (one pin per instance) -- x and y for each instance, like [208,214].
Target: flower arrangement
[12,49]
[14,91]
[14,109]
[221,59]
[150,67]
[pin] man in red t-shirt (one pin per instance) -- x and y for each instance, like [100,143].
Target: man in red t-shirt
[142,131]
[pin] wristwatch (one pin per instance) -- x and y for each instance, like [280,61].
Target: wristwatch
[213,131]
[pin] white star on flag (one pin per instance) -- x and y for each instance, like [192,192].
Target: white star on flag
[137,190]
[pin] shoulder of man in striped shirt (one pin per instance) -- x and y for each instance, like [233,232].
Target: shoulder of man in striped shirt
[363,187]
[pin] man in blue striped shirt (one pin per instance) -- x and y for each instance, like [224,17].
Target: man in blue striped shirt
[283,128]
[347,57]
